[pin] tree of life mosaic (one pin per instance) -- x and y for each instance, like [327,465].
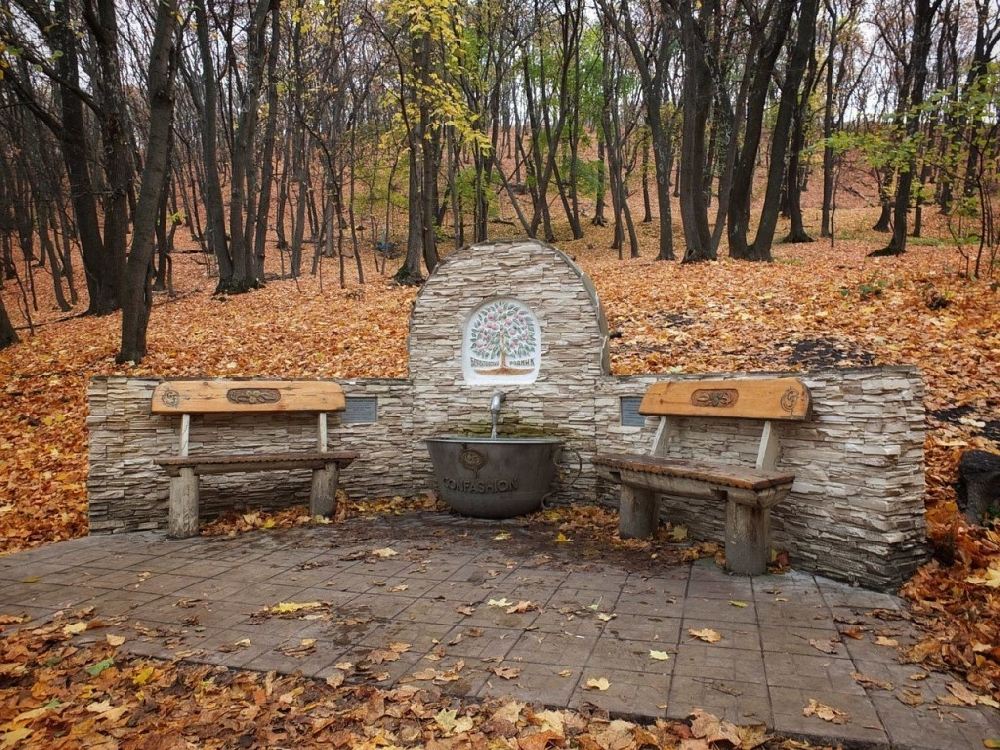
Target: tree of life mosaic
[502,343]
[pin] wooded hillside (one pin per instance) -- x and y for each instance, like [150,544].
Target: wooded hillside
[269,131]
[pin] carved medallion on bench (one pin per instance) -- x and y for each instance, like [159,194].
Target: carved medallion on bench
[748,493]
[220,396]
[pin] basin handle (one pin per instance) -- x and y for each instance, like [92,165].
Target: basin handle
[579,464]
[579,471]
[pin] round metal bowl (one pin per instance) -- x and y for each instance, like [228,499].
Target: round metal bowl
[494,477]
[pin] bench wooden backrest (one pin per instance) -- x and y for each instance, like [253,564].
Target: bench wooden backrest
[752,398]
[222,396]
[765,399]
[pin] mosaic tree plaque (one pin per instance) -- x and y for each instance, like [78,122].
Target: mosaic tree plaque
[502,343]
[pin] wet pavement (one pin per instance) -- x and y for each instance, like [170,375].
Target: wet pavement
[480,608]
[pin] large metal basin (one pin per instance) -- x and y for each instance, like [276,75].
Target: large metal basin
[494,477]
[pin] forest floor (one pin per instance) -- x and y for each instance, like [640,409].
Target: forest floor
[817,305]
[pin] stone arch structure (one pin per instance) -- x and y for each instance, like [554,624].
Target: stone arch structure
[550,389]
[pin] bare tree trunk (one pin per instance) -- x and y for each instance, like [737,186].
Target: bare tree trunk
[8,335]
[697,97]
[920,47]
[798,60]
[116,126]
[773,30]
[245,275]
[826,220]
[797,173]
[263,211]
[215,216]
[138,301]
[599,220]
[647,207]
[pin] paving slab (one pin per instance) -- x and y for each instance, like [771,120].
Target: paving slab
[490,608]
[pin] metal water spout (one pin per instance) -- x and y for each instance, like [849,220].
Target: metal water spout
[498,398]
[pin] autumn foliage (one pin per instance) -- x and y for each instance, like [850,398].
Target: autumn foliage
[818,305]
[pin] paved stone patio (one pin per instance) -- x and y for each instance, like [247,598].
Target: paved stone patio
[589,617]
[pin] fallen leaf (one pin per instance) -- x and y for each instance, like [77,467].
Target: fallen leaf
[883,641]
[96,669]
[827,647]
[304,647]
[446,718]
[499,603]
[712,729]
[384,552]
[143,676]
[741,605]
[871,682]
[619,735]
[335,679]
[540,740]
[230,647]
[114,640]
[562,538]
[287,608]
[521,607]
[826,713]
[962,693]
[507,673]
[549,721]
[991,578]
[678,533]
[379,655]
[705,634]
[599,683]
[659,655]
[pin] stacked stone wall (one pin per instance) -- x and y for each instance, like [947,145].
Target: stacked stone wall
[856,510]
[127,491]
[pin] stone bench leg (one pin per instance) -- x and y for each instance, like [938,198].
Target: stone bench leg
[638,513]
[748,539]
[323,494]
[182,521]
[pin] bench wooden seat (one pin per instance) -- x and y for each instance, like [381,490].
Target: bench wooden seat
[221,396]
[255,462]
[748,492]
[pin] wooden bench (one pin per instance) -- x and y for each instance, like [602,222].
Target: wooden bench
[219,396]
[748,492]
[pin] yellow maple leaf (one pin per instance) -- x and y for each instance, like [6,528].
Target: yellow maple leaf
[143,676]
[284,608]
[991,578]
[705,634]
